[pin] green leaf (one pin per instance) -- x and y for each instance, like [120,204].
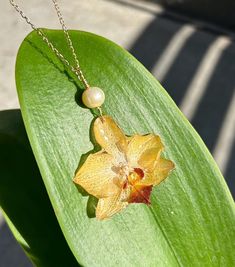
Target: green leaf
[24,200]
[191,219]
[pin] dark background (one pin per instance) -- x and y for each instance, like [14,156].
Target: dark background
[221,13]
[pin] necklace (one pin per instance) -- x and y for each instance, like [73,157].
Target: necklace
[126,168]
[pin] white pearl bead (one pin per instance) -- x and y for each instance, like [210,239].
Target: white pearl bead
[93,97]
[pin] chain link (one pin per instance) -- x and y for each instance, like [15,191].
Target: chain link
[77,70]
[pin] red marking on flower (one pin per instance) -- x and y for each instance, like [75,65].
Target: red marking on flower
[140,194]
[140,172]
[125,185]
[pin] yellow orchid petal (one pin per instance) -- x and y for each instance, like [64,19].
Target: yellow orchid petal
[144,150]
[96,175]
[109,206]
[110,137]
[161,171]
[149,157]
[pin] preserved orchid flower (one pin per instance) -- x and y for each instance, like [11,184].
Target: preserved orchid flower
[124,171]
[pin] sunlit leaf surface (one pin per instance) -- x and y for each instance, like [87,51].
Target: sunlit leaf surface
[191,219]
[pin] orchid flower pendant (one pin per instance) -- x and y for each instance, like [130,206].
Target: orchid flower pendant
[124,170]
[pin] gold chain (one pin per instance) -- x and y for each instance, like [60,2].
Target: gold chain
[77,70]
